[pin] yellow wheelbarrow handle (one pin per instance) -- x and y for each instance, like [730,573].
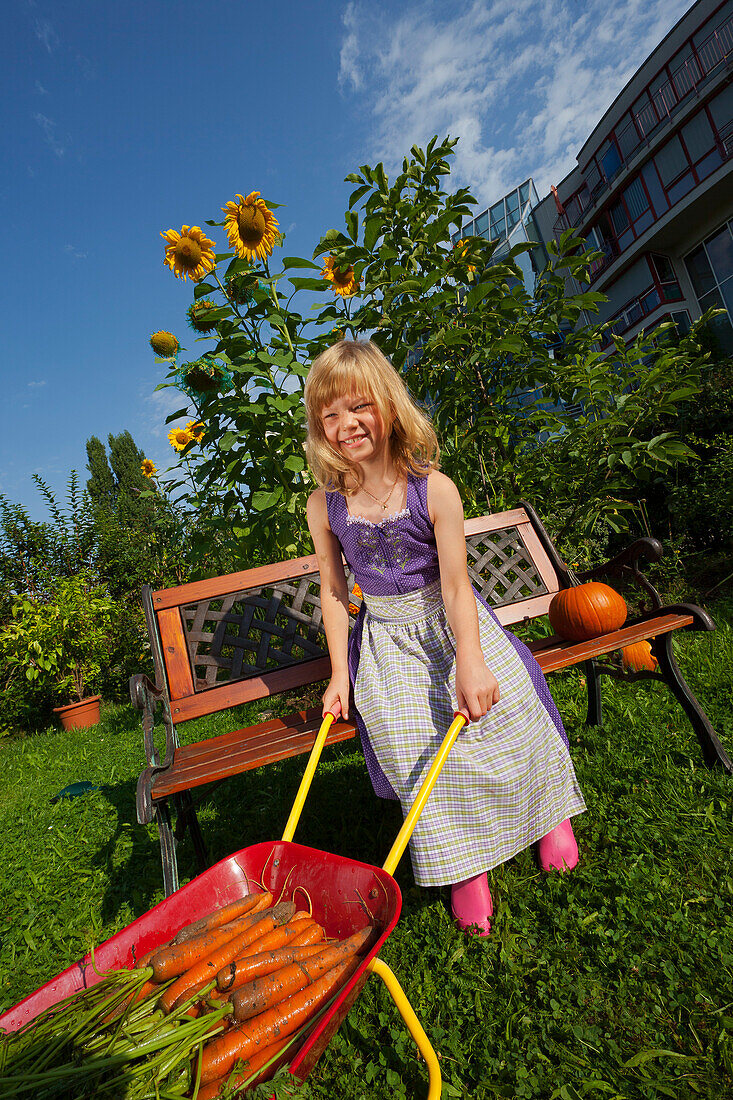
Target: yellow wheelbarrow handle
[429,782]
[308,774]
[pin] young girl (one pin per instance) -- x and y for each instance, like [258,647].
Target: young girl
[425,644]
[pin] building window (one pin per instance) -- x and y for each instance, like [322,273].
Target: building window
[710,267]
[667,290]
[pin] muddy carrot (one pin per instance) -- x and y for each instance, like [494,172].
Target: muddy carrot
[176,959]
[244,1040]
[145,959]
[249,903]
[278,937]
[255,966]
[207,968]
[261,1058]
[265,992]
[312,933]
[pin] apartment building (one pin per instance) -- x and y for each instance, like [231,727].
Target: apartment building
[653,188]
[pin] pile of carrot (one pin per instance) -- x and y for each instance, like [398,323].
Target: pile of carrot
[270,964]
[216,1007]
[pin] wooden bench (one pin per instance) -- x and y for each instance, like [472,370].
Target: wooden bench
[229,640]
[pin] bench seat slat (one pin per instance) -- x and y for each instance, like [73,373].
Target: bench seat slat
[240,751]
[554,653]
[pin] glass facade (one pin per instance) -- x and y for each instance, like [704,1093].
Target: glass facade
[506,222]
[710,267]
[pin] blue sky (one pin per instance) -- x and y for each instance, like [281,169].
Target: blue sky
[122,120]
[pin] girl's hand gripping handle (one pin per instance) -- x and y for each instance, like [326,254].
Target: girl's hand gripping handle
[403,837]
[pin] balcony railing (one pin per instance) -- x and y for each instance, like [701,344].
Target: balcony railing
[713,51]
[641,307]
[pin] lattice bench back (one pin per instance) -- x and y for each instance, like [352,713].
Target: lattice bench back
[232,639]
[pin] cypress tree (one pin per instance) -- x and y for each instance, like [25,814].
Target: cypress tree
[101,484]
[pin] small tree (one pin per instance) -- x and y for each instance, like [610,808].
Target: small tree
[476,347]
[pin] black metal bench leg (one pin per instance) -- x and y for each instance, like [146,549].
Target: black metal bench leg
[187,819]
[595,707]
[167,848]
[712,750]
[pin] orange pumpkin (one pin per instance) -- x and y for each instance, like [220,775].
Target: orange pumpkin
[586,611]
[638,656]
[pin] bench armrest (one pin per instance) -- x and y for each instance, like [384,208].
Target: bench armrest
[626,563]
[146,697]
[702,621]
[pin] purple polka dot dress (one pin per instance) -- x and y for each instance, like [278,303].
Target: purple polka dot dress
[509,779]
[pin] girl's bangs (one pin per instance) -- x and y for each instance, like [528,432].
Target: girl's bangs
[346,377]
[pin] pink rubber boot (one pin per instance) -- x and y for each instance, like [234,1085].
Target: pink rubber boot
[471,905]
[557,850]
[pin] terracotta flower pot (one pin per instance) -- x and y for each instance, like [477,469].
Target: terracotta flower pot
[79,715]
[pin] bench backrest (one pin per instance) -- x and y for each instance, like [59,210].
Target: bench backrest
[231,639]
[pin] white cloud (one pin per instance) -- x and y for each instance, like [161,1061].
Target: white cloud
[48,126]
[73,251]
[349,72]
[46,34]
[40,89]
[522,83]
[160,404]
[41,382]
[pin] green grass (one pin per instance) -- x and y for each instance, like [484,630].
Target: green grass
[614,981]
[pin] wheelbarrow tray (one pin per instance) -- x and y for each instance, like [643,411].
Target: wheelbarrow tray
[346,896]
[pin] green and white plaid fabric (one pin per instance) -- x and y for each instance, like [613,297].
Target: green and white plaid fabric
[508,779]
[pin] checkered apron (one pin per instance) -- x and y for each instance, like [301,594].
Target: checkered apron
[508,779]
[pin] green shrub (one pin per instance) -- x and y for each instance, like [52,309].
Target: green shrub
[55,649]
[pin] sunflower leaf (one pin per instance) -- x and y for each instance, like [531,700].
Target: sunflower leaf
[298,261]
[176,415]
[307,284]
[238,265]
[201,289]
[213,223]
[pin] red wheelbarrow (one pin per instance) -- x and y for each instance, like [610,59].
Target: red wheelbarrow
[346,896]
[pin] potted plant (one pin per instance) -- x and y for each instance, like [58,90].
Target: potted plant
[61,645]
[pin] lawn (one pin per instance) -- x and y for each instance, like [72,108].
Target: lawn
[614,981]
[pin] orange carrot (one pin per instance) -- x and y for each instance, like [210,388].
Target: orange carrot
[300,915]
[206,969]
[176,959]
[244,1040]
[267,991]
[254,966]
[145,959]
[278,937]
[312,933]
[224,915]
[261,1058]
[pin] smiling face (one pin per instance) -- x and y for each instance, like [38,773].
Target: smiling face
[353,426]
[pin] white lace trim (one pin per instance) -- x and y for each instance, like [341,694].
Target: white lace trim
[381,523]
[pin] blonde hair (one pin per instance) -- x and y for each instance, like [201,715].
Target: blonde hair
[352,367]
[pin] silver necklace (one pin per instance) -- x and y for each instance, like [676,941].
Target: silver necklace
[381,503]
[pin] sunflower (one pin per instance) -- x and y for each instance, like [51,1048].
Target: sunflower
[342,279]
[179,438]
[196,430]
[251,227]
[461,248]
[148,467]
[239,289]
[190,253]
[199,315]
[164,344]
[203,376]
